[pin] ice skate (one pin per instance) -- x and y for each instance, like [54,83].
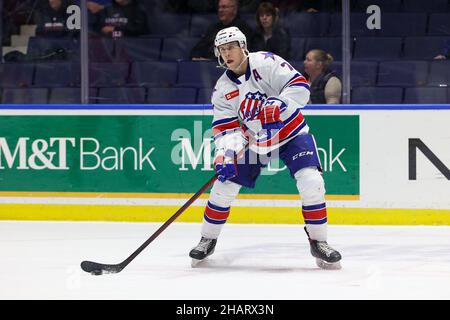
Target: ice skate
[326,257]
[204,249]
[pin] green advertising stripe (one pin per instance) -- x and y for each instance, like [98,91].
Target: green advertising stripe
[337,216]
[150,154]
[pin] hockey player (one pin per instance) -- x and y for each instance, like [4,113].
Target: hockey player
[257,101]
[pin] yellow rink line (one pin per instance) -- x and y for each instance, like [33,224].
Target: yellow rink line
[349,216]
[112,195]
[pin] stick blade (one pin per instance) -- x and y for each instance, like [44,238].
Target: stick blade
[98,269]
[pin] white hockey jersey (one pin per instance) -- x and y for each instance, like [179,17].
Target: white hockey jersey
[237,102]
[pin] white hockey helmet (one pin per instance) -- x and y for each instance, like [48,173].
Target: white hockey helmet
[227,35]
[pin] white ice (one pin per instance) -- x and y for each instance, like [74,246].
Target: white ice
[41,260]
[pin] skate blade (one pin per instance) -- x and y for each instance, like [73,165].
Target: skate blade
[328,266]
[195,263]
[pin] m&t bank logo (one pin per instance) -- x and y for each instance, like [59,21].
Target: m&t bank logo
[52,154]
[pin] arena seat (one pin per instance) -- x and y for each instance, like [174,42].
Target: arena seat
[403,73]
[108,74]
[198,74]
[332,45]
[123,95]
[25,96]
[204,95]
[377,95]
[426,95]
[423,48]
[16,74]
[172,95]
[153,73]
[168,24]
[425,6]
[439,24]
[385,5]
[439,73]
[62,74]
[70,95]
[137,49]
[178,48]
[307,24]
[377,48]
[200,23]
[403,24]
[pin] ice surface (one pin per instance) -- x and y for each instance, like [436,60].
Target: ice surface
[41,260]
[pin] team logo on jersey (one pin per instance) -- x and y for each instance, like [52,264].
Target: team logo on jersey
[232,94]
[250,106]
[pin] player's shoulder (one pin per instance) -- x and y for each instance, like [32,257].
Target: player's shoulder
[264,59]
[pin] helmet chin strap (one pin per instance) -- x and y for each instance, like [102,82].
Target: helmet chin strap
[222,63]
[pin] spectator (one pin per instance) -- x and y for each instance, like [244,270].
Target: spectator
[95,7]
[51,19]
[270,35]
[325,85]
[445,54]
[123,18]
[228,16]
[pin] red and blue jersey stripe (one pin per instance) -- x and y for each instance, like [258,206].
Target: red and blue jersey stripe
[297,81]
[224,126]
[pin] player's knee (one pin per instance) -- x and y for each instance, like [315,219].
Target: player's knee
[223,194]
[310,184]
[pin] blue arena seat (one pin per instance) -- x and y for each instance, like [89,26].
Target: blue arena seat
[57,74]
[153,73]
[425,6]
[307,24]
[426,95]
[137,49]
[402,73]
[426,48]
[403,24]
[204,95]
[101,50]
[108,74]
[377,95]
[439,73]
[250,19]
[172,95]
[124,95]
[16,74]
[298,49]
[332,45]
[363,73]
[358,25]
[70,95]
[377,48]
[439,24]
[385,5]
[177,48]
[40,48]
[25,96]
[198,73]
[167,24]
[201,22]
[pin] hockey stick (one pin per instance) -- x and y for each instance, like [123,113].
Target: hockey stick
[100,268]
